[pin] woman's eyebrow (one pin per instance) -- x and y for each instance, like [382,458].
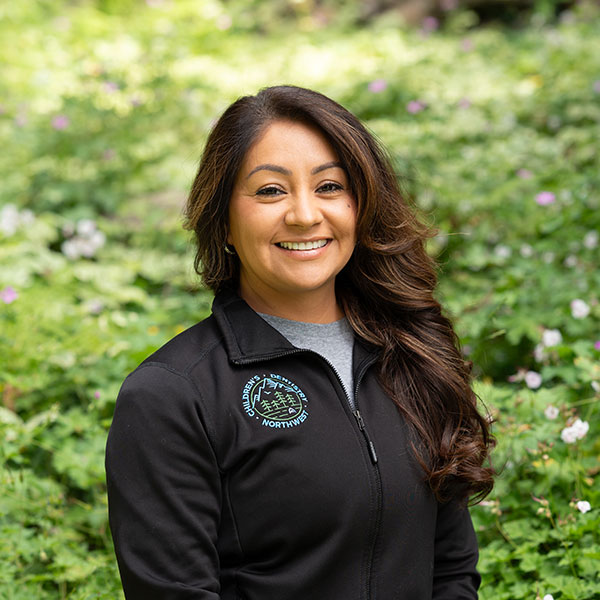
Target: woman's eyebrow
[329,165]
[284,171]
[275,168]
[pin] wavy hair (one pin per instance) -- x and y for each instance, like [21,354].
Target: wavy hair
[386,289]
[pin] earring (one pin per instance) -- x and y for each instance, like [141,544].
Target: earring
[228,250]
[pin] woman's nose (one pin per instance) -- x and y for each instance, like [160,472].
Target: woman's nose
[304,210]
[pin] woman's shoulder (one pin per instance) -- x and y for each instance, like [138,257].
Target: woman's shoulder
[183,352]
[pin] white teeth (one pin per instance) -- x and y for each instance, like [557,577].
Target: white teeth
[303,245]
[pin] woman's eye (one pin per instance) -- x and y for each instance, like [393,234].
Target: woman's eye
[330,187]
[270,190]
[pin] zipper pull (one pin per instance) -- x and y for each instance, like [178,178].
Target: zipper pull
[361,423]
[370,445]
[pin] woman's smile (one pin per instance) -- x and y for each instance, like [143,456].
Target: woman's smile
[304,246]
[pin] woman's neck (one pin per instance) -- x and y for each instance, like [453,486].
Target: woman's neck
[316,306]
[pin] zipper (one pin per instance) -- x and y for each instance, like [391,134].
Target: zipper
[362,427]
[352,405]
[370,445]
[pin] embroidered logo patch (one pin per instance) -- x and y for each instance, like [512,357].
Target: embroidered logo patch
[275,401]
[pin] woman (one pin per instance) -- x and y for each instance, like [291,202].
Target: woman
[316,436]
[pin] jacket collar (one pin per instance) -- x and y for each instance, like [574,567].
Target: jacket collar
[249,338]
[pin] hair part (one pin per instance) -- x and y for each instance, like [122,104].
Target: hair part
[386,289]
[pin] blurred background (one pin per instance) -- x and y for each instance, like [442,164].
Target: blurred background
[491,111]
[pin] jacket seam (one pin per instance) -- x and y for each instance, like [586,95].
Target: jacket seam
[210,431]
[236,531]
[202,356]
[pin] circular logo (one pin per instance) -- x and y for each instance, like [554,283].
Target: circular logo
[274,401]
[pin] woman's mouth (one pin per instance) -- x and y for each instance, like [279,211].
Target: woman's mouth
[313,245]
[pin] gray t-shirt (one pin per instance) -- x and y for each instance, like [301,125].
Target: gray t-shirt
[333,341]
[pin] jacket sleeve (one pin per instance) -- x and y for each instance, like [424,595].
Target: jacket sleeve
[163,489]
[455,576]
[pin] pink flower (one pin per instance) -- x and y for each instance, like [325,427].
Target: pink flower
[20,120]
[448,4]
[464,103]
[533,380]
[467,45]
[524,174]
[60,122]
[545,198]
[551,412]
[8,295]
[377,86]
[110,86]
[97,395]
[108,154]
[596,86]
[415,106]
[597,345]
[224,22]
[430,24]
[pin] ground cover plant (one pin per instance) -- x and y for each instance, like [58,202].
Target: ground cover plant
[104,108]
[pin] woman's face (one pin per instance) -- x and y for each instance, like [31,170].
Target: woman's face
[292,219]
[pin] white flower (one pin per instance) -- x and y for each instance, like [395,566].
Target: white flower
[590,239]
[86,247]
[595,386]
[548,597]
[538,353]
[70,249]
[568,435]
[533,380]
[9,219]
[570,261]
[526,251]
[85,243]
[575,432]
[579,309]
[97,239]
[551,337]
[86,227]
[548,257]
[581,428]
[584,506]
[502,251]
[27,217]
[551,412]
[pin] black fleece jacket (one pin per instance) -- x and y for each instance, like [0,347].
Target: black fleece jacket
[237,470]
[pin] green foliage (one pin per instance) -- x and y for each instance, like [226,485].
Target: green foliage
[105,107]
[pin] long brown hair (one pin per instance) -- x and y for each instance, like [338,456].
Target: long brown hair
[386,289]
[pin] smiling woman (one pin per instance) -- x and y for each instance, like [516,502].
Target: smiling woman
[316,436]
[292,222]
